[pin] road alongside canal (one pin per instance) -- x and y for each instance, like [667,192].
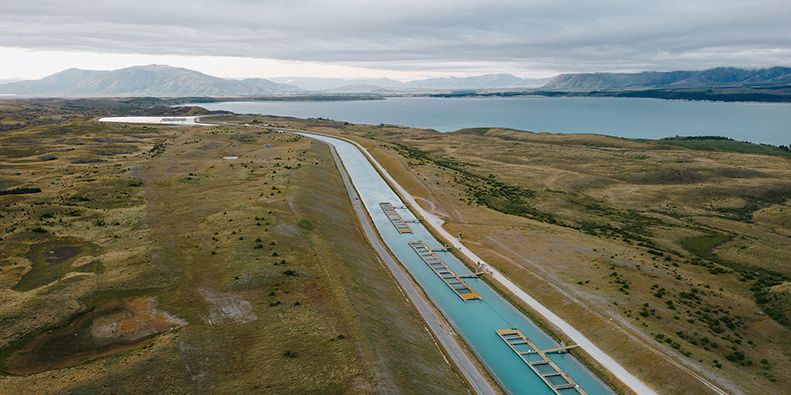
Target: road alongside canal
[442,333]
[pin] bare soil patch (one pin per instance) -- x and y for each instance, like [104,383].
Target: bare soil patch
[114,327]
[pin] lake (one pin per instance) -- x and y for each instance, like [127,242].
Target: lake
[768,123]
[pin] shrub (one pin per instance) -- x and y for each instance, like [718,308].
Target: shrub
[305,223]
[735,356]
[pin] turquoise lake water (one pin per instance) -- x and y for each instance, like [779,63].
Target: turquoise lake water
[476,320]
[768,123]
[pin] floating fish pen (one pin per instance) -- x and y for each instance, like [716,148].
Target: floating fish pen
[395,218]
[538,361]
[443,271]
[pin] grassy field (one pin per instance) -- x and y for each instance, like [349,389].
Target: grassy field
[725,145]
[135,259]
[672,255]
[150,253]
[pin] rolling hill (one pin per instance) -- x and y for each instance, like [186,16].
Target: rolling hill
[152,80]
[718,77]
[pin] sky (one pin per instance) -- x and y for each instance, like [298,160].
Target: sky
[402,39]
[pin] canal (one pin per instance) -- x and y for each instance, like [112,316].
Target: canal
[475,320]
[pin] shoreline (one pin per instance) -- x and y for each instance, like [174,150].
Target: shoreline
[639,119]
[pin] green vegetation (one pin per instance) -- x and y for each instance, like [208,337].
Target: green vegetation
[306,224]
[20,191]
[244,137]
[763,280]
[757,199]
[486,190]
[702,246]
[777,94]
[53,259]
[717,143]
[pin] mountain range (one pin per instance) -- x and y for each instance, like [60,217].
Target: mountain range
[486,81]
[152,80]
[161,80]
[718,77]
[336,84]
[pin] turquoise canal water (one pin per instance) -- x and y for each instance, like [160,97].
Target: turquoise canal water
[768,123]
[476,320]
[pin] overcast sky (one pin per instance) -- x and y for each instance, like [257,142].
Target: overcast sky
[402,39]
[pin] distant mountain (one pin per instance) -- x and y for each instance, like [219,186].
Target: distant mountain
[333,84]
[487,81]
[359,88]
[161,80]
[153,80]
[718,77]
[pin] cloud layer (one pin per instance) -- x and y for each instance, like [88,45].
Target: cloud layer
[440,35]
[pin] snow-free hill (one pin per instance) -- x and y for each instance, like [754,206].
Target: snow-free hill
[153,80]
[719,77]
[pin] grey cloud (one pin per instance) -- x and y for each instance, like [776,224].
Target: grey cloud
[420,35]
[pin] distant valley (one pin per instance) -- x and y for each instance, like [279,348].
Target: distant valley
[486,81]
